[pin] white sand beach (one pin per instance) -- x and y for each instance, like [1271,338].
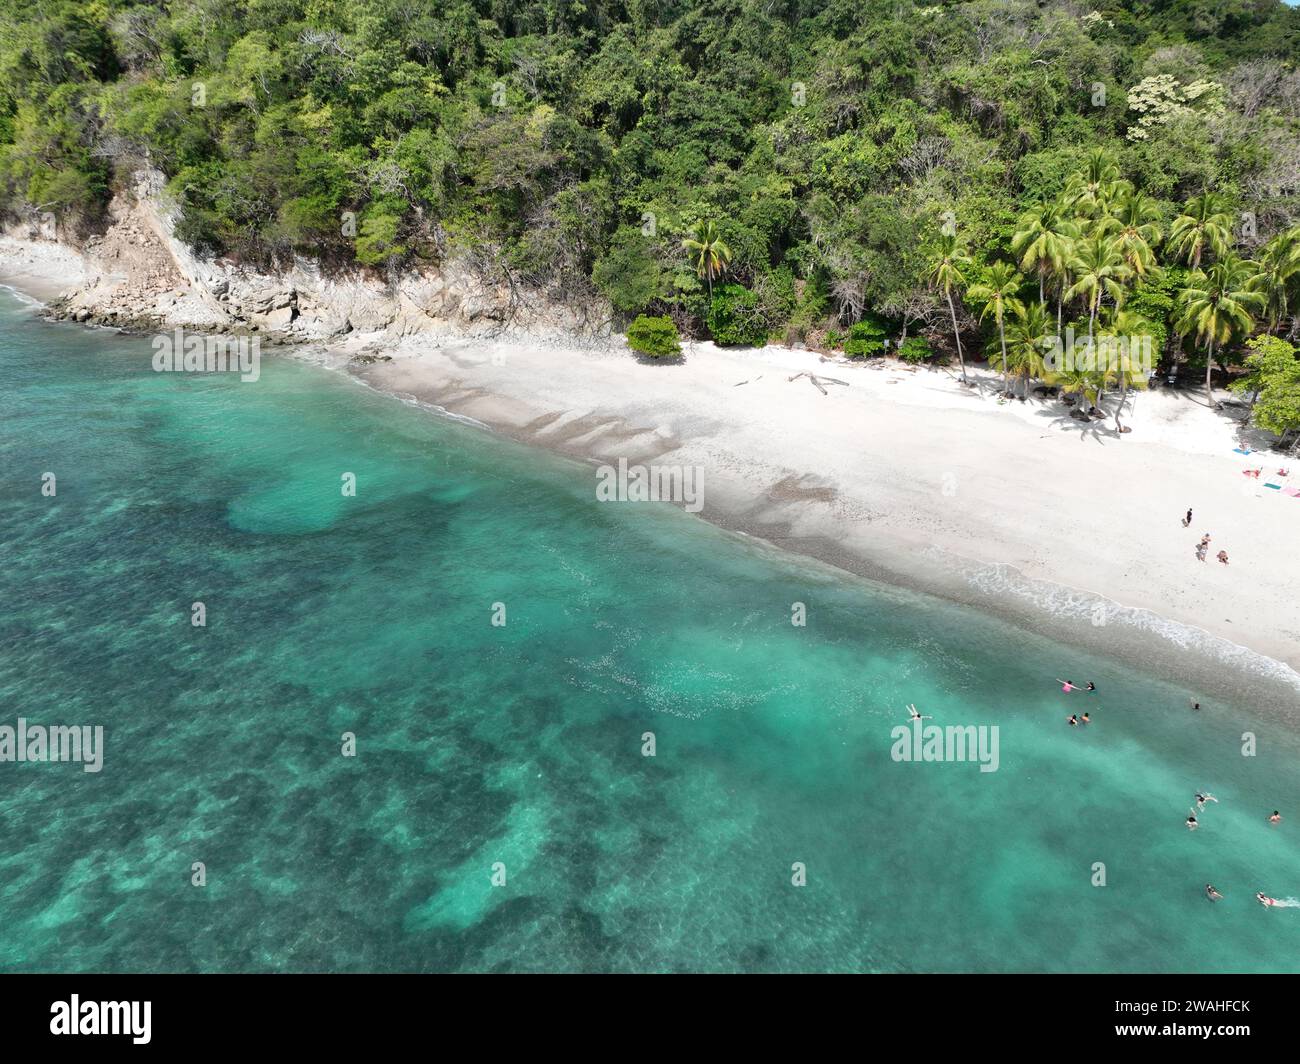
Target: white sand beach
[902,474]
[906,475]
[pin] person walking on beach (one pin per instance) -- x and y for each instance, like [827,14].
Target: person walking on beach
[1211,893]
[1188,519]
[1200,553]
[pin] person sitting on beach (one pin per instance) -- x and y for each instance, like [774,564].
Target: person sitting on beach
[1284,472]
[1276,818]
[1223,556]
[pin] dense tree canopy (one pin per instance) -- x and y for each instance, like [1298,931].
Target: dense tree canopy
[1074,160]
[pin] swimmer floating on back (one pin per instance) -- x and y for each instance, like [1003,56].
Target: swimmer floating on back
[912,714]
[1211,893]
[1264,899]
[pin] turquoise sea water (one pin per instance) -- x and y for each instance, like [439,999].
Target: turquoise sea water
[522,744]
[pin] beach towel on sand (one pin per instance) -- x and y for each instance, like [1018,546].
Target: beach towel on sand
[1241,450]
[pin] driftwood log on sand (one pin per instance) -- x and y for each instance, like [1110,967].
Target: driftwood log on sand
[818,382]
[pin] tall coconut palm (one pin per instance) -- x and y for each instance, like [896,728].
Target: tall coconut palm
[1279,273]
[1216,305]
[711,253]
[1042,240]
[946,264]
[1133,222]
[1099,270]
[1028,333]
[1204,225]
[999,293]
[1131,369]
[1089,190]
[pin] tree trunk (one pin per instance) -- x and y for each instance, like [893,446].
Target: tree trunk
[1209,369]
[956,335]
[1123,394]
[1002,332]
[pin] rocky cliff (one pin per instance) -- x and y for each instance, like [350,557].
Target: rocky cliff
[137,274]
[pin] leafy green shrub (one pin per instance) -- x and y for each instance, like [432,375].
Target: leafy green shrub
[915,349]
[866,337]
[834,338]
[656,337]
[734,317]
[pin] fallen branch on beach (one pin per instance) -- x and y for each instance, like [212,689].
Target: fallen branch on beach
[818,382]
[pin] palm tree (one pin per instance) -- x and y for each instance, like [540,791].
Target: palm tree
[1042,240]
[1026,334]
[998,294]
[1279,269]
[1205,223]
[1098,269]
[1216,304]
[1089,190]
[1133,223]
[712,254]
[949,260]
[1126,328]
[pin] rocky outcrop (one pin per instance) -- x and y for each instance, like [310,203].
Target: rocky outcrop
[139,275]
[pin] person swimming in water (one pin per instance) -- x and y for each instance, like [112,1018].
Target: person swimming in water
[1191,822]
[1276,818]
[1091,686]
[1074,721]
[914,714]
[1086,719]
[1066,685]
[1211,893]
[1264,899]
[1201,799]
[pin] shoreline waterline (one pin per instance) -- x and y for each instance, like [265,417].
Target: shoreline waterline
[1185,654]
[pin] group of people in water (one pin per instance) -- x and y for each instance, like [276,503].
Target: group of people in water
[1075,719]
[1200,797]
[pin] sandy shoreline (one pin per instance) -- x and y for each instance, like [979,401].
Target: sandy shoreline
[905,476]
